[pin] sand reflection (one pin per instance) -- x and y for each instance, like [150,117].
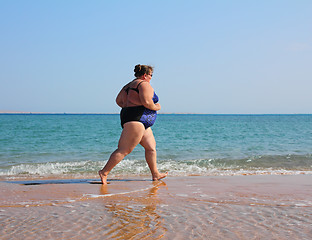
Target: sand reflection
[137,215]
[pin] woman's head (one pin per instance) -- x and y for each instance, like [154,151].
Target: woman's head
[140,70]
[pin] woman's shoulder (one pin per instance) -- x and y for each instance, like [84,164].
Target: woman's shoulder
[132,83]
[145,85]
[128,84]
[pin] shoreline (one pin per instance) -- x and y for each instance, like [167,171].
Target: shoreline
[31,190]
[75,178]
[118,176]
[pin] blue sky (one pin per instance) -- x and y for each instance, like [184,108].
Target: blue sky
[209,56]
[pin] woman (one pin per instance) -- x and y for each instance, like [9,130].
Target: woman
[139,104]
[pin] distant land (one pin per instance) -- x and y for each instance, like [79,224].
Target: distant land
[5,111]
[73,113]
[22,112]
[160,112]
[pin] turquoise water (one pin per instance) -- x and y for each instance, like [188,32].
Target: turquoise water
[77,145]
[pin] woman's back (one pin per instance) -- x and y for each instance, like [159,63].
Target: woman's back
[132,96]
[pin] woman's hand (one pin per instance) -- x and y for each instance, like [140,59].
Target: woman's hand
[157,106]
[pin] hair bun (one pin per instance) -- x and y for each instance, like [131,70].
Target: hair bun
[137,68]
[140,70]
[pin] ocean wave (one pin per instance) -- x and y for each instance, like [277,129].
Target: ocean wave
[288,164]
[50,168]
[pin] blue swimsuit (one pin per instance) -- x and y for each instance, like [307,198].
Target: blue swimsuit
[139,113]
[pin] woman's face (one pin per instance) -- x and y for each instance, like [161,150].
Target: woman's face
[149,76]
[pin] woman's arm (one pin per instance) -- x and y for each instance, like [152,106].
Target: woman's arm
[146,93]
[121,98]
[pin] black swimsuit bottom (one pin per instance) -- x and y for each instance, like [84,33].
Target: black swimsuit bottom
[138,114]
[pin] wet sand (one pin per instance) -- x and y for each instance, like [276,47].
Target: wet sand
[232,207]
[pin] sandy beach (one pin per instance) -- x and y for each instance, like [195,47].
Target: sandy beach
[232,207]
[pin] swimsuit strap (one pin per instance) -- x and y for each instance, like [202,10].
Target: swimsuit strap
[139,84]
[134,89]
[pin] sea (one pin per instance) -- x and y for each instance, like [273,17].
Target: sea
[78,145]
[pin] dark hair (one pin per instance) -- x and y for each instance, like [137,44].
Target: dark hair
[140,70]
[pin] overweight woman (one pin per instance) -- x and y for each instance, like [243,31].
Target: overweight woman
[139,105]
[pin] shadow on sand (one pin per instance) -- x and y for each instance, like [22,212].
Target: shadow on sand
[73,181]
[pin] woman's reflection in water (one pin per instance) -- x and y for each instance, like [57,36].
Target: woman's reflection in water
[135,214]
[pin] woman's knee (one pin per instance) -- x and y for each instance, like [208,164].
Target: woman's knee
[124,151]
[150,149]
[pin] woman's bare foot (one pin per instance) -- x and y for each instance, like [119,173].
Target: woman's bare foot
[103,177]
[160,176]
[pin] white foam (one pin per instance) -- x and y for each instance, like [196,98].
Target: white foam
[50,168]
[114,194]
[182,195]
[139,167]
[69,206]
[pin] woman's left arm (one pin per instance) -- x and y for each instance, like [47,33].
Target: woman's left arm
[146,96]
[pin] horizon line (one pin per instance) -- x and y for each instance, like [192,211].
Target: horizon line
[165,113]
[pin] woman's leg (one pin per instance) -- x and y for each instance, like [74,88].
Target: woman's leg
[131,136]
[149,144]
